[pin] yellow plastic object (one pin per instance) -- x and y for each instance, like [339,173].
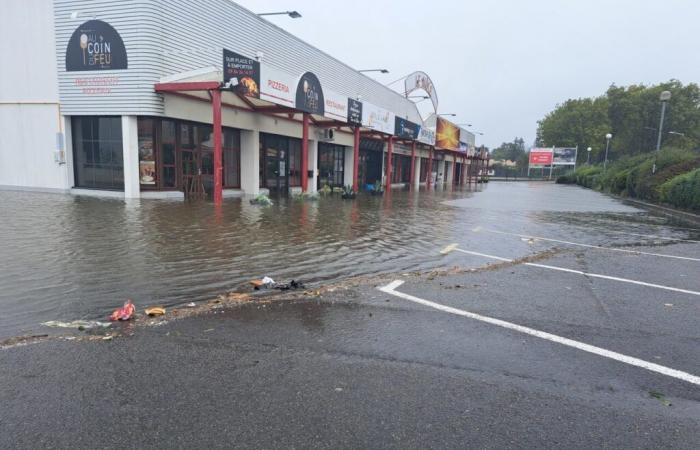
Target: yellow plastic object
[155,311]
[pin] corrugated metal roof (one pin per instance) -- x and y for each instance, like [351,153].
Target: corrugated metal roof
[165,37]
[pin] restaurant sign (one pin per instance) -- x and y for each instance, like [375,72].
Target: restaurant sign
[243,73]
[95,45]
[377,118]
[309,96]
[276,86]
[405,129]
[336,106]
[354,111]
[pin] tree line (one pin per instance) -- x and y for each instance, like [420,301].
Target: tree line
[631,114]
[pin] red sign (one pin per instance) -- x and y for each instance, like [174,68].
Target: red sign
[541,156]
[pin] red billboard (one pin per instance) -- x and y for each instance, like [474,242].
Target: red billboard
[541,156]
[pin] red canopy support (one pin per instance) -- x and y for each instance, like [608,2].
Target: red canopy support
[356,159]
[413,164]
[389,154]
[305,152]
[218,154]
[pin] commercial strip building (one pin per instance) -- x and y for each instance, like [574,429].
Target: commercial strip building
[127,99]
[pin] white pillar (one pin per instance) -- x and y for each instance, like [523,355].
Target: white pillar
[68,175]
[348,169]
[130,144]
[250,162]
[313,165]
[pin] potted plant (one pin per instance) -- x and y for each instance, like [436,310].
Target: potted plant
[377,190]
[348,193]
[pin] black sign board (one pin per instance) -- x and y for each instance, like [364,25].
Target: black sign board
[405,129]
[354,111]
[243,73]
[95,45]
[309,94]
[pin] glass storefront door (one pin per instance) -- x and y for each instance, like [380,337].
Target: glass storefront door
[276,171]
[331,165]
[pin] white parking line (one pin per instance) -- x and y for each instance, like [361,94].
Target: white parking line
[612,249]
[579,272]
[690,378]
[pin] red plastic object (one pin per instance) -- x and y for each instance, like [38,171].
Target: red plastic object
[126,312]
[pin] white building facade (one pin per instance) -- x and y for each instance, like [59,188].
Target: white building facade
[119,99]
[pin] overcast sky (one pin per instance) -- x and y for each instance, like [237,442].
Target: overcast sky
[501,65]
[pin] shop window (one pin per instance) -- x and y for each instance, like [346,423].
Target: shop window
[331,165]
[167,153]
[97,147]
[294,162]
[423,169]
[232,158]
[147,153]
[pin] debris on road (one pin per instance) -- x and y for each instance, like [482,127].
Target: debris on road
[78,324]
[289,286]
[126,312]
[264,282]
[660,397]
[155,311]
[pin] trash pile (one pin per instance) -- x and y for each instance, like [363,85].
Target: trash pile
[126,312]
[268,283]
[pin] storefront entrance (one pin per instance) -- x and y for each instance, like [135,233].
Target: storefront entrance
[280,163]
[276,178]
[331,165]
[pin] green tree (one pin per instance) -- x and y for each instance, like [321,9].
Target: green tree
[631,114]
[580,122]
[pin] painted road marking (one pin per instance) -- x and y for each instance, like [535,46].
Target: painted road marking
[579,272]
[612,249]
[690,378]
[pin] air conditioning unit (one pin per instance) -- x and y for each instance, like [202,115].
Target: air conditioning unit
[326,134]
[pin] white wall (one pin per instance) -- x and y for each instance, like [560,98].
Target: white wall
[349,166]
[29,110]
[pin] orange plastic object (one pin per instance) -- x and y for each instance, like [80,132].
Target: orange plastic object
[126,312]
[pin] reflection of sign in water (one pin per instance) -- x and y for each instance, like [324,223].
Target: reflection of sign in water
[95,45]
[564,156]
[309,96]
[354,111]
[540,156]
[244,71]
[406,129]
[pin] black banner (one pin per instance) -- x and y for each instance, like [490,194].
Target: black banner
[354,111]
[95,45]
[310,95]
[405,129]
[243,73]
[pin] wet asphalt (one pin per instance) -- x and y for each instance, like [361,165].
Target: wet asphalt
[359,368]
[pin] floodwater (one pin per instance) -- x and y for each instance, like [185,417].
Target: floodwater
[70,257]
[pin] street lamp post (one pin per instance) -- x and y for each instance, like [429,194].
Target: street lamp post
[374,70]
[607,147]
[588,162]
[292,14]
[664,97]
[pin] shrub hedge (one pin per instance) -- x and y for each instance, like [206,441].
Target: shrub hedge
[673,182]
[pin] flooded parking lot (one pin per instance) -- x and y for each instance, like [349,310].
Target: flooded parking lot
[69,258]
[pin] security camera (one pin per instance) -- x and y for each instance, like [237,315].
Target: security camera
[230,84]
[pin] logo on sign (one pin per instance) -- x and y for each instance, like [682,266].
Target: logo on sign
[95,45]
